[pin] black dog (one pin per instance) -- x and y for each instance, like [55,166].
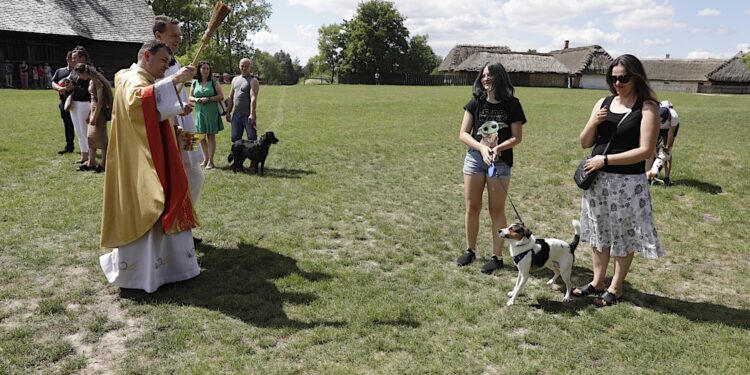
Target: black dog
[255,151]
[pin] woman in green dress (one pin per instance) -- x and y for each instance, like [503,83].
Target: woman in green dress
[206,94]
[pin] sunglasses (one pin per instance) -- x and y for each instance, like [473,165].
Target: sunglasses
[622,79]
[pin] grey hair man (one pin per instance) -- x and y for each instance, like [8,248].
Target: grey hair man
[243,101]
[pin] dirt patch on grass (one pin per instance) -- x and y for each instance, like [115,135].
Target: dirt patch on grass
[685,201]
[111,347]
[519,332]
[18,311]
[711,219]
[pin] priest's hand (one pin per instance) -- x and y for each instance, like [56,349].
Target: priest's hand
[188,110]
[185,74]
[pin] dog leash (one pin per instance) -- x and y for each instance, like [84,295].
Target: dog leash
[491,171]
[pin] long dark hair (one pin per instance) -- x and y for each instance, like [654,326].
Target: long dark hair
[95,74]
[634,68]
[198,75]
[501,83]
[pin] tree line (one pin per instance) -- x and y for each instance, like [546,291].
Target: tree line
[374,40]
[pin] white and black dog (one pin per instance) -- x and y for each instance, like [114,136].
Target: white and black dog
[530,254]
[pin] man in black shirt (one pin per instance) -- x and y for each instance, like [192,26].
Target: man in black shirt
[61,83]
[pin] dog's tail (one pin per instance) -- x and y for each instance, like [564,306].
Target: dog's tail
[574,244]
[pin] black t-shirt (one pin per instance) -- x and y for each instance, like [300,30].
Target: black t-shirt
[627,138]
[507,111]
[59,75]
[80,89]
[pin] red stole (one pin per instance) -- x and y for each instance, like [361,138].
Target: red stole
[178,212]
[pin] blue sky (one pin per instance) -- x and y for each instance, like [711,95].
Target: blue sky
[645,28]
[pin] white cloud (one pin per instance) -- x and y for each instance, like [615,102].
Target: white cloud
[263,39]
[303,47]
[620,26]
[655,42]
[308,31]
[747,11]
[585,35]
[709,12]
[744,47]
[710,30]
[657,17]
[341,8]
[702,54]
[699,54]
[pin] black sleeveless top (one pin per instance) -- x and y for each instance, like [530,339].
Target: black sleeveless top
[627,138]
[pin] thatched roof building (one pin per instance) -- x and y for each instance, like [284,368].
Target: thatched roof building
[461,52]
[582,60]
[568,67]
[682,75]
[681,69]
[732,71]
[524,69]
[126,21]
[514,62]
[42,31]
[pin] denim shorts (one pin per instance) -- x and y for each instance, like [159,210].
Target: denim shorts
[473,164]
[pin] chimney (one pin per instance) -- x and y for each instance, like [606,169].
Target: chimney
[667,56]
[567,44]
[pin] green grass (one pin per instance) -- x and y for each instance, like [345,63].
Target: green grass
[341,258]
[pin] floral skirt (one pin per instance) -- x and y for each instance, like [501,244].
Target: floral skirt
[616,212]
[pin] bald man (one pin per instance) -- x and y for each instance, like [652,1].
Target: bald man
[243,99]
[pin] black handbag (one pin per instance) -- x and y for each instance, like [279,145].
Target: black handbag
[583,179]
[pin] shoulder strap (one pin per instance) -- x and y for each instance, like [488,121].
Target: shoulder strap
[607,101]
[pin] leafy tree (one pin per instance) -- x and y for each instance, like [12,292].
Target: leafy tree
[277,69]
[266,67]
[288,73]
[316,67]
[191,13]
[746,59]
[376,39]
[229,44]
[331,45]
[299,70]
[420,59]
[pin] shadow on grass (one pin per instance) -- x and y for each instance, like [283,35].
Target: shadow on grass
[695,311]
[700,185]
[397,323]
[271,172]
[237,282]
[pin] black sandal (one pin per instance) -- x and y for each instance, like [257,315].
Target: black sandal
[586,291]
[607,299]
